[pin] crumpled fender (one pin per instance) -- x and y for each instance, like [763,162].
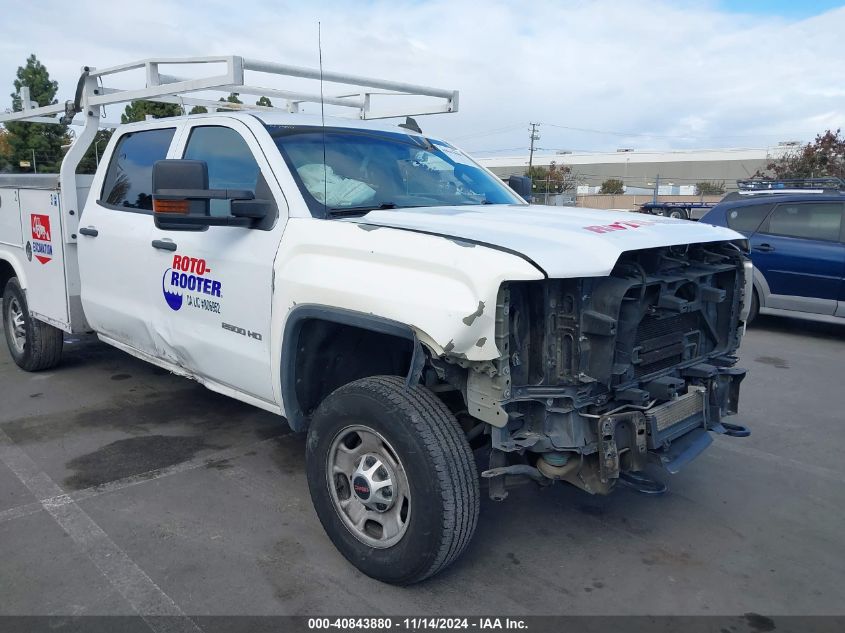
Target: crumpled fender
[445,289]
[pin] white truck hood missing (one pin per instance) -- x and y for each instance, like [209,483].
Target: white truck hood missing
[561,241]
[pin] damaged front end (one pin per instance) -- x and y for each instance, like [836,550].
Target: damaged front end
[600,376]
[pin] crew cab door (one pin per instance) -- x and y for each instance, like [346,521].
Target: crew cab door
[214,305]
[118,285]
[799,252]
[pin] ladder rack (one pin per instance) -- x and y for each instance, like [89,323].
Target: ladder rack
[161,87]
[358,94]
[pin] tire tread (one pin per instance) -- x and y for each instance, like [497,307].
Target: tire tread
[44,342]
[452,458]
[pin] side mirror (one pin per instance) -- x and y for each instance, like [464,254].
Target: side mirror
[181,199]
[521,185]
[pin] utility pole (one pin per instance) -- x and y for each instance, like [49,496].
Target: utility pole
[656,187]
[535,136]
[34,166]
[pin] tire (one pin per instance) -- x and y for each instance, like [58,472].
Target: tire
[755,308]
[428,460]
[33,344]
[680,214]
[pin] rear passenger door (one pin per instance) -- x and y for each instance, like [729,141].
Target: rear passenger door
[799,251]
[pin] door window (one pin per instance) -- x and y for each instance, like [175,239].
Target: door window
[813,221]
[748,219]
[231,164]
[129,179]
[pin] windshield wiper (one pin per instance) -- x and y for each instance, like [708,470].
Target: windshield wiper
[344,211]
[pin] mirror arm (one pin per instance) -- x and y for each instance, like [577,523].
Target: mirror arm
[188,220]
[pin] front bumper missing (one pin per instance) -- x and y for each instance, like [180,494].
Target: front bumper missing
[673,433]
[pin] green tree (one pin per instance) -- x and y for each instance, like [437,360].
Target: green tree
[198,110]
[138,111]
[91,160]
[45,140]
[713,188]
[825,156]
[554,178]
[232,98]
[5,150]
[264,101]
[612,186]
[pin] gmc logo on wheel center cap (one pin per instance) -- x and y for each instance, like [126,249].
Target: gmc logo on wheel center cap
[362,488]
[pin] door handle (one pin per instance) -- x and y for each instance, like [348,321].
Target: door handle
[764,248]
[90,232]
[164,245]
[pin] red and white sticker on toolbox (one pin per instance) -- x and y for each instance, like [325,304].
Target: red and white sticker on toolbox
[42,247]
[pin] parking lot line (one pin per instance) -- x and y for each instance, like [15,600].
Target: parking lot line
[139,590]
[18,512]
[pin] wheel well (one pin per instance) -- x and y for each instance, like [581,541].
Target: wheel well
[321,355]
[6,273]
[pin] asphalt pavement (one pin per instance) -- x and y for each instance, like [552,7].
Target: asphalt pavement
[125,489]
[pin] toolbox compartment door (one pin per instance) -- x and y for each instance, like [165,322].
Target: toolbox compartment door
[44,255]
[10,219]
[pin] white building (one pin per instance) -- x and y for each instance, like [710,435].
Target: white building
[677,170]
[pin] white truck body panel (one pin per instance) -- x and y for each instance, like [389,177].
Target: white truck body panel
[446,291]
[10,219]
[31,240]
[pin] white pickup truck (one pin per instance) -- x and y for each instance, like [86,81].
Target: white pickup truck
[384,293]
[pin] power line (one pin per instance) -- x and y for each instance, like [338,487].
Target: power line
[618,133]
[663,136]
[487,133]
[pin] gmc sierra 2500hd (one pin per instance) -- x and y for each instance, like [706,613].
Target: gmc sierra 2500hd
[384,293]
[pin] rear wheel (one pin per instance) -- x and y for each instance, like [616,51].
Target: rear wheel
[392,478]
[680,214]
[33,344]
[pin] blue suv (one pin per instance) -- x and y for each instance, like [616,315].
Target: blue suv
[796,233]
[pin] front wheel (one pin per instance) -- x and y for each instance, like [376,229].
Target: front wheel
[392,478]
[33,344]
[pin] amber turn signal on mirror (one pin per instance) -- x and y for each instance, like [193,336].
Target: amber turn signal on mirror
[171,206]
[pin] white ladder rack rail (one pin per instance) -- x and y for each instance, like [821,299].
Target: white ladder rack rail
[92,95]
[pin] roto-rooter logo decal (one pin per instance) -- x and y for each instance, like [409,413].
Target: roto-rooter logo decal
[188,282]
[42,248]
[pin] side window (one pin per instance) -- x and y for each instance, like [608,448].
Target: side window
[814,221]
[231,164]
[129,179]
[747,219]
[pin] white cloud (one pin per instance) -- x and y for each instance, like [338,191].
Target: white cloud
[684,73]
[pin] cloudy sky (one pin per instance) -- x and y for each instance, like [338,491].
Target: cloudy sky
[597,74]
